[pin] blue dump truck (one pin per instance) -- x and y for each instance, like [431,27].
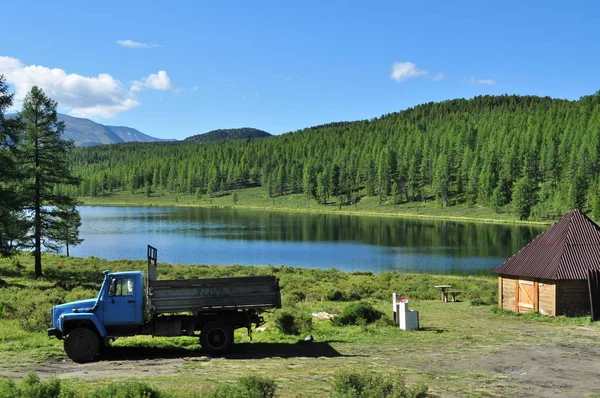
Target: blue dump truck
[135,303]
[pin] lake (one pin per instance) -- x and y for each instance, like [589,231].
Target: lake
[249,237]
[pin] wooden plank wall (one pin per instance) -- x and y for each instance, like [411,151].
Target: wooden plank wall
[546,298]
[508,294]
[543,301]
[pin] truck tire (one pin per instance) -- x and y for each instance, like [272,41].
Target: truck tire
[216,338]
[81,345]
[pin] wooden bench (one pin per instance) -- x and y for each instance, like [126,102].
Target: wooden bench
[453,295]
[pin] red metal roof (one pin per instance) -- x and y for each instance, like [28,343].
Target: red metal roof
[566,250]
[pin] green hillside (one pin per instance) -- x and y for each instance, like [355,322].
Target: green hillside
[228,134]
[530,156]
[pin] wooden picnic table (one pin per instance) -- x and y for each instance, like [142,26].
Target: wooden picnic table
[444,292]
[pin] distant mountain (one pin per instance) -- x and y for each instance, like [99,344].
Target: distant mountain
[228,134]
[129,134]
[85,132]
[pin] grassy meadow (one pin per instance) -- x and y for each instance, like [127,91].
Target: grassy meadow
[446,357]
[256,198]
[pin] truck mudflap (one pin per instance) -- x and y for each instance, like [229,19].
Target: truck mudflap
[53,332]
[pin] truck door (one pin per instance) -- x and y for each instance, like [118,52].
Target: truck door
[120,307]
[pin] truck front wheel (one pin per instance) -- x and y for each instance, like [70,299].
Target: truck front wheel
[216,338]
[81,345]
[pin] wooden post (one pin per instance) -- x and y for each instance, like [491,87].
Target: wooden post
[536,296]
[517,296]
[556,292]
[500,290]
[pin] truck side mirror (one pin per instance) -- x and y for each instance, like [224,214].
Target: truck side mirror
[112,288]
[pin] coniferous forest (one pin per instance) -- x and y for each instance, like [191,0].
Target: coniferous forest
[535,157]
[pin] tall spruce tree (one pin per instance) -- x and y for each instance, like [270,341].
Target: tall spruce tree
[44,166]
[12,227]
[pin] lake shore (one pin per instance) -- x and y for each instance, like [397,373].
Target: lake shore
[255,199]
[464,348]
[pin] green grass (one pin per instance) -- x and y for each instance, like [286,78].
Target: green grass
[256,198]
[452,333]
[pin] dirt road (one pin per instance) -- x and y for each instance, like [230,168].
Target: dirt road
[545,370]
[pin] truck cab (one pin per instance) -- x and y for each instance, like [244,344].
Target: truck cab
[118,309]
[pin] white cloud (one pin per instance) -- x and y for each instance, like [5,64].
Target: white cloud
[100,96]
[488,82]
[156,81]
[136,44]
[195,88]
[402,71]
[438,77]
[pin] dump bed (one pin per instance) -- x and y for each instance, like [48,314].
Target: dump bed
[208,294]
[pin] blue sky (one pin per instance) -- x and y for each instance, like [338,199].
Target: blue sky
[173,69]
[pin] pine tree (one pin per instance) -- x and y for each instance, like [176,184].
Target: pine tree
[45,165]
[396,193]
[473,184]
[523,197]
[309,182]
[441,181]
[65,229]
[595,202]
[12,227]
[322,188]
[498,199]
[577,189]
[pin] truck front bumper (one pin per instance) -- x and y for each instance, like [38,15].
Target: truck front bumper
[53,332]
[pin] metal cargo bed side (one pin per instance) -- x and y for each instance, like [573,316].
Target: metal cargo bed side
[197,295]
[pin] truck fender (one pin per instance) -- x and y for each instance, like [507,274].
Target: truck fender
[83,318]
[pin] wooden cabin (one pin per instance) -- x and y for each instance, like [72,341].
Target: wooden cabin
[549,275]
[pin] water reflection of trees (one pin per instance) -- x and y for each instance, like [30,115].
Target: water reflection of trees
[425,236]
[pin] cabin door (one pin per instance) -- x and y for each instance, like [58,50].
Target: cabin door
[526,296]
[119,308]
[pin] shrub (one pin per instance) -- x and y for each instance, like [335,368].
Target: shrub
[293,322]
[30,307]
[7,388]
[14,261]
[258,386]
[358,313]
[246,387]
[295,296]
[35,319]
[128,389]
[478,302]
[353,384]
[33,387]
[336,295]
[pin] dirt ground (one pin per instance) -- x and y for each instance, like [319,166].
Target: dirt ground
[570,369]
[460,351]
[542,370]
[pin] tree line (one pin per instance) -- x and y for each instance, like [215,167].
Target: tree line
[36,209]
[537,157]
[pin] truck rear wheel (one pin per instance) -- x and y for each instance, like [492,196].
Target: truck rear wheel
[216,338]
[81,345]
